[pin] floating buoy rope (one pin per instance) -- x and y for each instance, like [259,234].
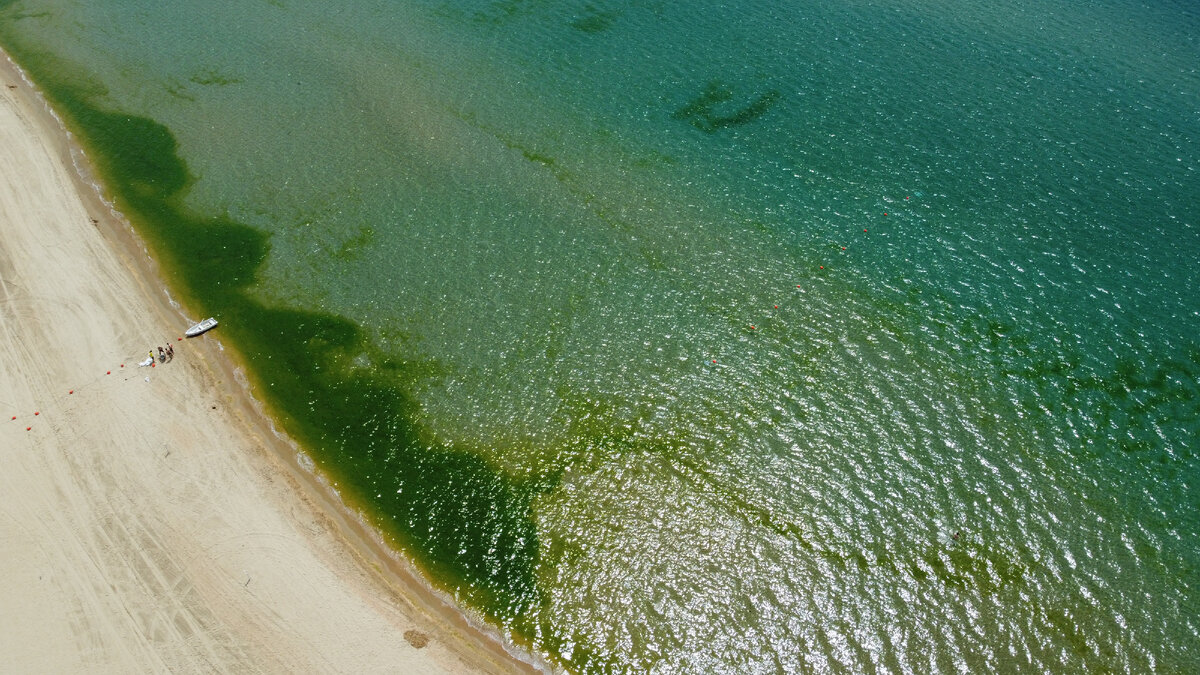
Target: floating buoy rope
[822,267]
[71,392]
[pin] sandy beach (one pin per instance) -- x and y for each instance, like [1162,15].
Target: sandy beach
[150,519]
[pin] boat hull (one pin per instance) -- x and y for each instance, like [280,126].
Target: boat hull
[202,327]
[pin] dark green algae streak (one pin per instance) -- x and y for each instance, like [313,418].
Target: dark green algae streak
[467,525]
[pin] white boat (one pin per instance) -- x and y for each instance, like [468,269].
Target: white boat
[199,328]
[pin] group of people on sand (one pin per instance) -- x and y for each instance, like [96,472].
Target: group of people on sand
[166,354]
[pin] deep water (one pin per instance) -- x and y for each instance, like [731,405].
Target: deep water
[707,338]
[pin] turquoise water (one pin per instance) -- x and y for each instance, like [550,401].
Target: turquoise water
[708,338]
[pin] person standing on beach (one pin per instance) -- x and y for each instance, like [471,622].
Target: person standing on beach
[162,356]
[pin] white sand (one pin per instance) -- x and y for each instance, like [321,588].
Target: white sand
[150,520]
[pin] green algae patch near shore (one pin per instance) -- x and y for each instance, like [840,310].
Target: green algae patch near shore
[460,520]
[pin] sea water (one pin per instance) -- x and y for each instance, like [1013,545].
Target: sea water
[703,337]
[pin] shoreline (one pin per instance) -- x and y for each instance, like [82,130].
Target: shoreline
[412,624]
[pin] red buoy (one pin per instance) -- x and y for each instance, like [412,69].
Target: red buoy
[71,392]
[36,414]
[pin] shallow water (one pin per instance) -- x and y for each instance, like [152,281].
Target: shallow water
[704,338]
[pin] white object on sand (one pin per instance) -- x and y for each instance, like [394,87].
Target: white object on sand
[199,328]
[149,360]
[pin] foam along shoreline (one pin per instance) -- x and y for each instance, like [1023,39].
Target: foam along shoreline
[152,519]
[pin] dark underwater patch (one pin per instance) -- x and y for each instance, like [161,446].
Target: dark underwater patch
[710,113]
[595,20]
[211,77]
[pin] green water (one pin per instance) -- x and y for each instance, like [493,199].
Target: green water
[708,338]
